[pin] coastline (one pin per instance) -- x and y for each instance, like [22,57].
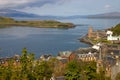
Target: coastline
[84,39]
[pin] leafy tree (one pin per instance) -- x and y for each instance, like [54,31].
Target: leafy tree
[3,72]
[42,70]
[90,71]
[24,61]
[73,71]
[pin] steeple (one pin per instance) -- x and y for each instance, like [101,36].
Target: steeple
[90,31]
[97,36]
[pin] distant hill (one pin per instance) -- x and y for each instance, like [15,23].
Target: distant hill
[105,15]
[19,14]
[14,13]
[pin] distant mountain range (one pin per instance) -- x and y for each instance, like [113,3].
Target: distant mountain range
[19,14]
[14,13]
[106,15]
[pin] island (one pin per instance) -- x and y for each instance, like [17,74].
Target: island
[9,22]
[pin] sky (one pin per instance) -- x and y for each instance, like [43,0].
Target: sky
[62,7]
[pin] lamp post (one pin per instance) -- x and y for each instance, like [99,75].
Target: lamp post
[100,53]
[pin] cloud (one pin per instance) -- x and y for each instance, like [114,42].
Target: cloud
[25,3]
[13,3]
[61,7]
[107,6]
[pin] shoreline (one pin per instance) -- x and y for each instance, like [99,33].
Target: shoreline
[84,39]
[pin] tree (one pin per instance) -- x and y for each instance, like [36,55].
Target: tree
[9,71]
[24,61]
[42,70]
[116,30]
[73,71]
[90,71]
[27,62]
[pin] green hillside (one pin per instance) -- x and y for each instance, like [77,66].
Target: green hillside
[116,29]
[8,22]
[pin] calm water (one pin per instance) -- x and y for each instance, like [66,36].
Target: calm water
[46,40]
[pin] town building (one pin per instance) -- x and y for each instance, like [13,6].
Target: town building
[96,35]
[86,57]
[5,61]
[110,37]
[45,57]
[68,55]
[97,46]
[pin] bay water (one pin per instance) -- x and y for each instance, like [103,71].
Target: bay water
[49,40]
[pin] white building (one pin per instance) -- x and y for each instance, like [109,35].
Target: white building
[97,46]
[110,36]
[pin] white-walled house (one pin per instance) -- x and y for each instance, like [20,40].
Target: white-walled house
[97,46]
[110,36]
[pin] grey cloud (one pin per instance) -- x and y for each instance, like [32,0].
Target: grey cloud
[25,3]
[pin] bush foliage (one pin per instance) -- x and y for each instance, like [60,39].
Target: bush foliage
[116,30]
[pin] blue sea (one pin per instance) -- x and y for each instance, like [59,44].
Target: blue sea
[48,40]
